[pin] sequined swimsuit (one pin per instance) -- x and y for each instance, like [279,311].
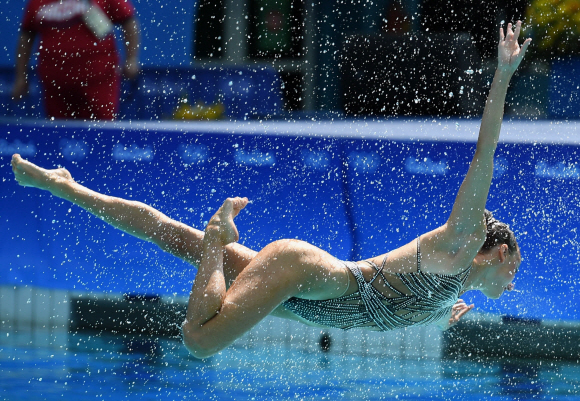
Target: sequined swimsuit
[429,298]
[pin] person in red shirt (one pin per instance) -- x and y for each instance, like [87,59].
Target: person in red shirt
[78,62]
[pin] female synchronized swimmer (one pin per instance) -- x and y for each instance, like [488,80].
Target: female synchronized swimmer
[418,283]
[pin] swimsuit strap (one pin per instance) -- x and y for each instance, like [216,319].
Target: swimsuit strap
[379,272]
[464,274]
[419,254]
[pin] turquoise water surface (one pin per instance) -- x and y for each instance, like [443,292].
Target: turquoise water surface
[94,366]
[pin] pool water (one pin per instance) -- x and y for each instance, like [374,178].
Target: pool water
[92,366]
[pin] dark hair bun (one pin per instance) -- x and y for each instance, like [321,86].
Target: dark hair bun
[498,233]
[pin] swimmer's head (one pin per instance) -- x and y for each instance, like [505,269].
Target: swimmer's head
[498,233]
[505,267]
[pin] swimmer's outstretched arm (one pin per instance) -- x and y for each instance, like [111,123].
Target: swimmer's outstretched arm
[467,214]
[135,218]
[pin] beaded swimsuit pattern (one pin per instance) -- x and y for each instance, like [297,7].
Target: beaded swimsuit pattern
[430,297]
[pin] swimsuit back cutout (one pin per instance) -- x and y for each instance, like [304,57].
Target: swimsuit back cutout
[427,298]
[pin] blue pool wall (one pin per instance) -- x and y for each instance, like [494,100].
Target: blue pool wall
[354,188]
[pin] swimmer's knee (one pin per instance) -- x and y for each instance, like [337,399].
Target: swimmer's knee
[196,342]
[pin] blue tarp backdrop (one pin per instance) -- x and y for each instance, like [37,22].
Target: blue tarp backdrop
[356,189]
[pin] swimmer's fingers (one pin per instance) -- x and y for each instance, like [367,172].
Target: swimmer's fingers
[458,311]
[510,32]
[510,53]
[517,30]
[458,305]
[463,311]
[520,52]
[516,35]
[525,47]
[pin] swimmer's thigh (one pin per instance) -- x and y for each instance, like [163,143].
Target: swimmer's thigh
[282,270]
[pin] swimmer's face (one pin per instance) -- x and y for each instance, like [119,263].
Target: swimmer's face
[503,272]
[510,268]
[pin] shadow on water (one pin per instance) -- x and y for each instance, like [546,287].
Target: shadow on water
[521,380]
[145,361]
[513,379]
[324,362]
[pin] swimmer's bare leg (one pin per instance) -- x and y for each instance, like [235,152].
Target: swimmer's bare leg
[209,288]
[216,317]
[135,218]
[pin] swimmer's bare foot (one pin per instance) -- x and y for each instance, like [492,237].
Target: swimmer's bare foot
[221,226]
[30,175]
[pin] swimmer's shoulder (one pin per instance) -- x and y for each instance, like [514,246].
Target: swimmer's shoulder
[448,252]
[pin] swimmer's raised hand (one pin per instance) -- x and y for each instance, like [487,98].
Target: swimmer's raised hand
[510,53]
[30,175]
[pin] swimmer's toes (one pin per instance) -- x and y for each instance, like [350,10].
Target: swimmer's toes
[15,159]
[221,226]
[238,204]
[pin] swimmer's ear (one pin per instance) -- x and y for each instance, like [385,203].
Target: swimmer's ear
[503,252]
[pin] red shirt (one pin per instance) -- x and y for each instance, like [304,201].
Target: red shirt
[67,47]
